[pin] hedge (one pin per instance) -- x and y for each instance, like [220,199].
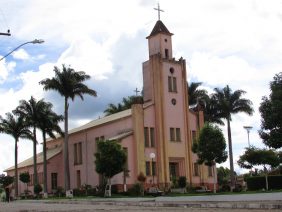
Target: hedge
[258,182]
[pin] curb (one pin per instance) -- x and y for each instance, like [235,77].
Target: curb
[184,204]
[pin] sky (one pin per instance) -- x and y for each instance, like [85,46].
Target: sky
[236,43]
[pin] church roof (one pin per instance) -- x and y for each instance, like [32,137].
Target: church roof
[98,122]
[104,120]
[159,28]
[29,162]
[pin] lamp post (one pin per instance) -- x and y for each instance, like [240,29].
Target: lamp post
[248,128]
[152,156]
[35,41]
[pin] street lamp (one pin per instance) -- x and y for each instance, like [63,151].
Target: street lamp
[248,128]
[35,41]
[152,156]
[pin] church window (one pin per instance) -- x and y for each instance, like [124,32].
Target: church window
[178,136]
[149,136]
[175,134]
[77,153]
[194,136]
[153,168]
[165,40]
[171,70]
[210,171]
[148,168]
[146,136]
[152,136]
[172,134]
[166,53]
[54,181]
[172,84]
[196,169]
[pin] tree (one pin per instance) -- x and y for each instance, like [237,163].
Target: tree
[196,95]
[16,127]
[25,178]
[259,157]
[271,114]
[110,160]
[142,179]
[48,124]
[126,103]
[69,84]
[210,147]
[226,104]
[31,110]
[6,180]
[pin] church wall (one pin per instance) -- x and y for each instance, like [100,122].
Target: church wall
[88,137]
[174,113]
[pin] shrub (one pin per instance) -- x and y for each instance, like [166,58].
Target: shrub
[258,182]
[77,192]
[60,191]
[238,188]
[182,181]
[225,188]
[37,189]
[135,190]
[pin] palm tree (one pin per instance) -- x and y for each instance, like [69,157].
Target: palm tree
[211,113]
[17,128]
[48,123]
[126,103]
[31,110]
[113,109]
[196,95]
[68,83]
[228,103]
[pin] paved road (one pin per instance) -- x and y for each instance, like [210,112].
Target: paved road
[19,206]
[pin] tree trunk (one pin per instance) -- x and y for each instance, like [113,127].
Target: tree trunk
[230,156]
[16,168]
[34,157]
[66,149]
[44,163]
[214,179]
[266,179]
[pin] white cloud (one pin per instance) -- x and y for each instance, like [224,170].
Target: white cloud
[21,54]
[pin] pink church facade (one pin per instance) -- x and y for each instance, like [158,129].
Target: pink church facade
[162,124]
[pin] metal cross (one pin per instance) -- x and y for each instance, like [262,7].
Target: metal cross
[136,91]
[159,11]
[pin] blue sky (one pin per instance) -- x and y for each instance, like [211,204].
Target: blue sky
[235,42]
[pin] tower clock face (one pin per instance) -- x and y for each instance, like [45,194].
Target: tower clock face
[173,101]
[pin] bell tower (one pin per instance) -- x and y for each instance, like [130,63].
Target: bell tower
[166,107]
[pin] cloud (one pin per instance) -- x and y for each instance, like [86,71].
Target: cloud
[21,54]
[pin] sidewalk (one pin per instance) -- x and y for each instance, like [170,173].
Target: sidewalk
[240,201]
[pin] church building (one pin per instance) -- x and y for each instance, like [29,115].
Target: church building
[157,133]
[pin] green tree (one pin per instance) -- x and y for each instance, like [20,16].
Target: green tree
[271,114]
[223,174]
[110,160]
[16,127]
[210,147]
[125,104]
[69,84]
[48,124]
[6,180]
[31,110]
[211,112]
[196,95]
[25,178]
[259,157]
[226,104]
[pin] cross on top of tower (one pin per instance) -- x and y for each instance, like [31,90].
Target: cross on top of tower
[136,91]
[159,11]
